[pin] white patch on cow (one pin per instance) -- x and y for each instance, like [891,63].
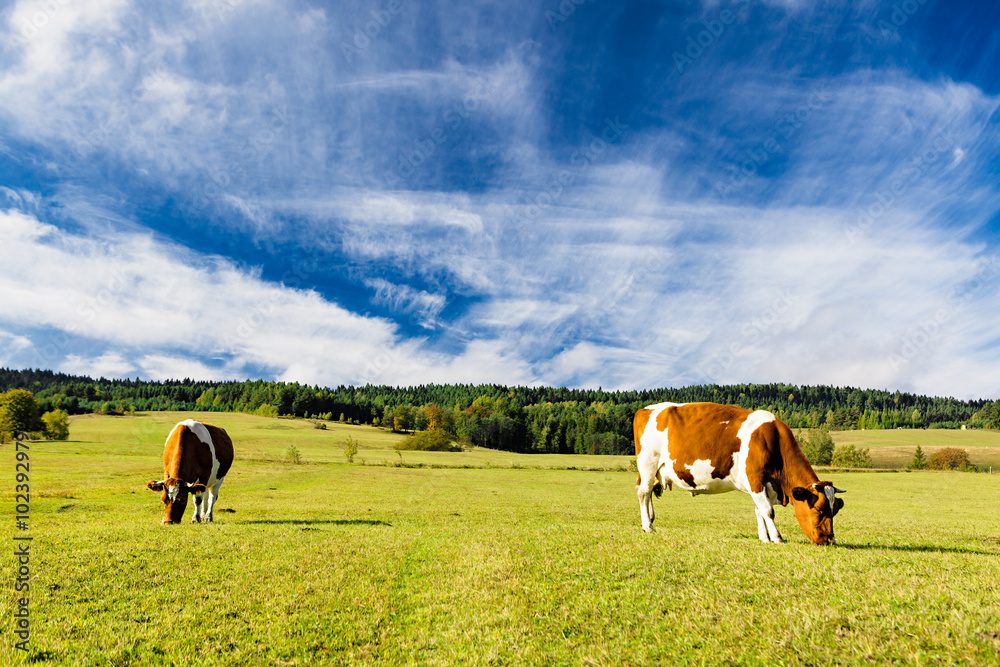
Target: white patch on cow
[652,447]
[660,407]
[739,472]
[701,472]
[201,431]
[172,492]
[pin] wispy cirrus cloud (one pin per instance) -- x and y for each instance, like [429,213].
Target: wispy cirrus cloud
[475,195]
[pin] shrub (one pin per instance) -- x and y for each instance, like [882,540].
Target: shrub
[266,410]
[430,441]
[950,458]
[818,446]
[350,449]
[319,425]
[849,456]
[292,454]
[56,424]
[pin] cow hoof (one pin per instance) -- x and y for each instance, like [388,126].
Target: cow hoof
[648,529]
[195,519]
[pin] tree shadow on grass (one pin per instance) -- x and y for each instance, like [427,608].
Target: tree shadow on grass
[314,522]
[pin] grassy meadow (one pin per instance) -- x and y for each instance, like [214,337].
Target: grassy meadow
[894,448]
[488,558]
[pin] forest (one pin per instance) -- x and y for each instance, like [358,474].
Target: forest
[520,419]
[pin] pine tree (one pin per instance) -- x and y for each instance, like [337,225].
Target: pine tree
[919,461]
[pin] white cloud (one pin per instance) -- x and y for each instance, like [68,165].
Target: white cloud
[481,362]
[165,366]
[108,365]
[165,314]
[404,299]
[11,346]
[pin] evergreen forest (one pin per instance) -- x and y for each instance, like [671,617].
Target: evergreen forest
[521,419]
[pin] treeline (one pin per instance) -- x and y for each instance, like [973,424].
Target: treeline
[524,419]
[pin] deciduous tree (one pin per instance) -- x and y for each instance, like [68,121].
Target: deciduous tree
[19,412]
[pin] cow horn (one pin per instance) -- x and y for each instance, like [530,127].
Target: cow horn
[836,490]
[829,491]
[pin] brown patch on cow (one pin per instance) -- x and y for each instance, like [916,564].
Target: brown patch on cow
[223,449]
[699,431]
[764,458]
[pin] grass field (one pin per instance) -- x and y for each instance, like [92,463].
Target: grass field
[511,560]
[894,449]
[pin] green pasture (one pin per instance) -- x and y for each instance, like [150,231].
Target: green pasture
[482,558]
[894,448]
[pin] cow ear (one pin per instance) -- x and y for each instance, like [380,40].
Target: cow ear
[154,486]
[838,503]
[803,494]
[197,489]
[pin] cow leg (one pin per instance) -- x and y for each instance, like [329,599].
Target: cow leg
[767,531]
[644,489]
[197,510]
[646,512]
[213,495]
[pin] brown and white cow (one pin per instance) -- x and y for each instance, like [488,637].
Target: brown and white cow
[196,458]
[711,448]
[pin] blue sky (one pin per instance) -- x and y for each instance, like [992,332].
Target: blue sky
[580,193]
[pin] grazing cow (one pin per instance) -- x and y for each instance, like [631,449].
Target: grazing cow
[710,448]
[196,458]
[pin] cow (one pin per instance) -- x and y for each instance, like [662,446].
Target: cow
[711,448]
[196,458]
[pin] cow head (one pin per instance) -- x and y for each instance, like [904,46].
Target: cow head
[815,506]
[175,497]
